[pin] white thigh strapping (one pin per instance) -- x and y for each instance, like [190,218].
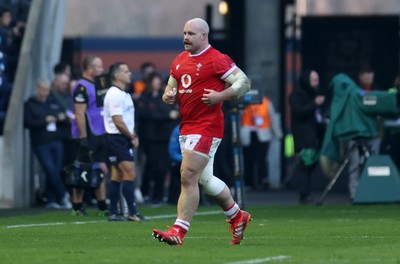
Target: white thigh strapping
[210,184]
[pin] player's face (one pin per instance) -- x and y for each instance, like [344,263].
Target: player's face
[192,38]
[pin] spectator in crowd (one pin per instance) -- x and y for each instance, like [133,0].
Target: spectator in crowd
[259,126]
[10,42]
[60,92]
[156,122]
[175,156]
[11,38]
[308,130]
[62,67]
[65,68]
[5,91]
[140,85]
[43,116]
[201,78]
[119,121]
[88,129]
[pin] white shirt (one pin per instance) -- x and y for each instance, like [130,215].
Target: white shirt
[118,102]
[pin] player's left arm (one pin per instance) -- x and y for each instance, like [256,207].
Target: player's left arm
[239,85]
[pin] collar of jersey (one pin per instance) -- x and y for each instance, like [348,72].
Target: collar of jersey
[198,54]
[119,88]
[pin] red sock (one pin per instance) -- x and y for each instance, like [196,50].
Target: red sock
[232,211]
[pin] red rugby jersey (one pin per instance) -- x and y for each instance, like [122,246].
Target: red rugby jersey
[194,73]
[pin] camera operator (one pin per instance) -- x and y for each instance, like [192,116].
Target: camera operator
[366,77]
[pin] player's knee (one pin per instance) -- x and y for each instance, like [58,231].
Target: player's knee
[212,186]
[188,177]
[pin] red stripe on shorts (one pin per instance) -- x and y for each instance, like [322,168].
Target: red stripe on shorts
[204,144]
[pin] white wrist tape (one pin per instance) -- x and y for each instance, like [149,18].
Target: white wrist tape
[239,82]
[172,82]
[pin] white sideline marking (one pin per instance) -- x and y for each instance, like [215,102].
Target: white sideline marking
[100,221]
[259,260]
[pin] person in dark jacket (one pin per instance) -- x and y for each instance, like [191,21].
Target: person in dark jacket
[156,120]
[43,116]
[307,127]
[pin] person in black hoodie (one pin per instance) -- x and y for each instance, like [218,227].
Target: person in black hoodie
[43,116]
[156,120]
[307,127]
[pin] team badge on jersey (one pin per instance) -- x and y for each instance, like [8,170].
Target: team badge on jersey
[79,98]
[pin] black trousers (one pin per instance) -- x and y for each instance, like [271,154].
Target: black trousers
[302,177]
[155,169]
[255,160]
[175,183]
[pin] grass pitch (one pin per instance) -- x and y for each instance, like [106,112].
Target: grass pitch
[278,234]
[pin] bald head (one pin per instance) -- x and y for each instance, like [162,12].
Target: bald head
[195,35]
[200,24]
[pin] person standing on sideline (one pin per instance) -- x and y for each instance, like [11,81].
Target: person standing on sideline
[260,126]
[308,130]
[197,81]
[88,128]
[156,120]
[43,116]
[119,121]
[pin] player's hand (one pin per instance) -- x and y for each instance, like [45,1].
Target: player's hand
[169,97]
[210,97]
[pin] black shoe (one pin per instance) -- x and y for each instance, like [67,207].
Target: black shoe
[116,218]
[137,218]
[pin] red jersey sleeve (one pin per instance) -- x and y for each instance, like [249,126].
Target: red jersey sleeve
[224,65]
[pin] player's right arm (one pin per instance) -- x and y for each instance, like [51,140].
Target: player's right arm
[81,120]
[170,92]
[81,101]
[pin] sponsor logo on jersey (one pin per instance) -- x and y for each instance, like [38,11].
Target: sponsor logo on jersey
[186,80]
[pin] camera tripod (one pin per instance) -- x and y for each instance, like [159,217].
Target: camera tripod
[360,145]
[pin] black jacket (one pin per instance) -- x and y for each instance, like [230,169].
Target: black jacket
[307,133]
[35,113]
[154,122]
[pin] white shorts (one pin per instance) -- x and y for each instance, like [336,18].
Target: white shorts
[201,144]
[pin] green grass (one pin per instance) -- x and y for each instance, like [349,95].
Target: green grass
[278,234]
